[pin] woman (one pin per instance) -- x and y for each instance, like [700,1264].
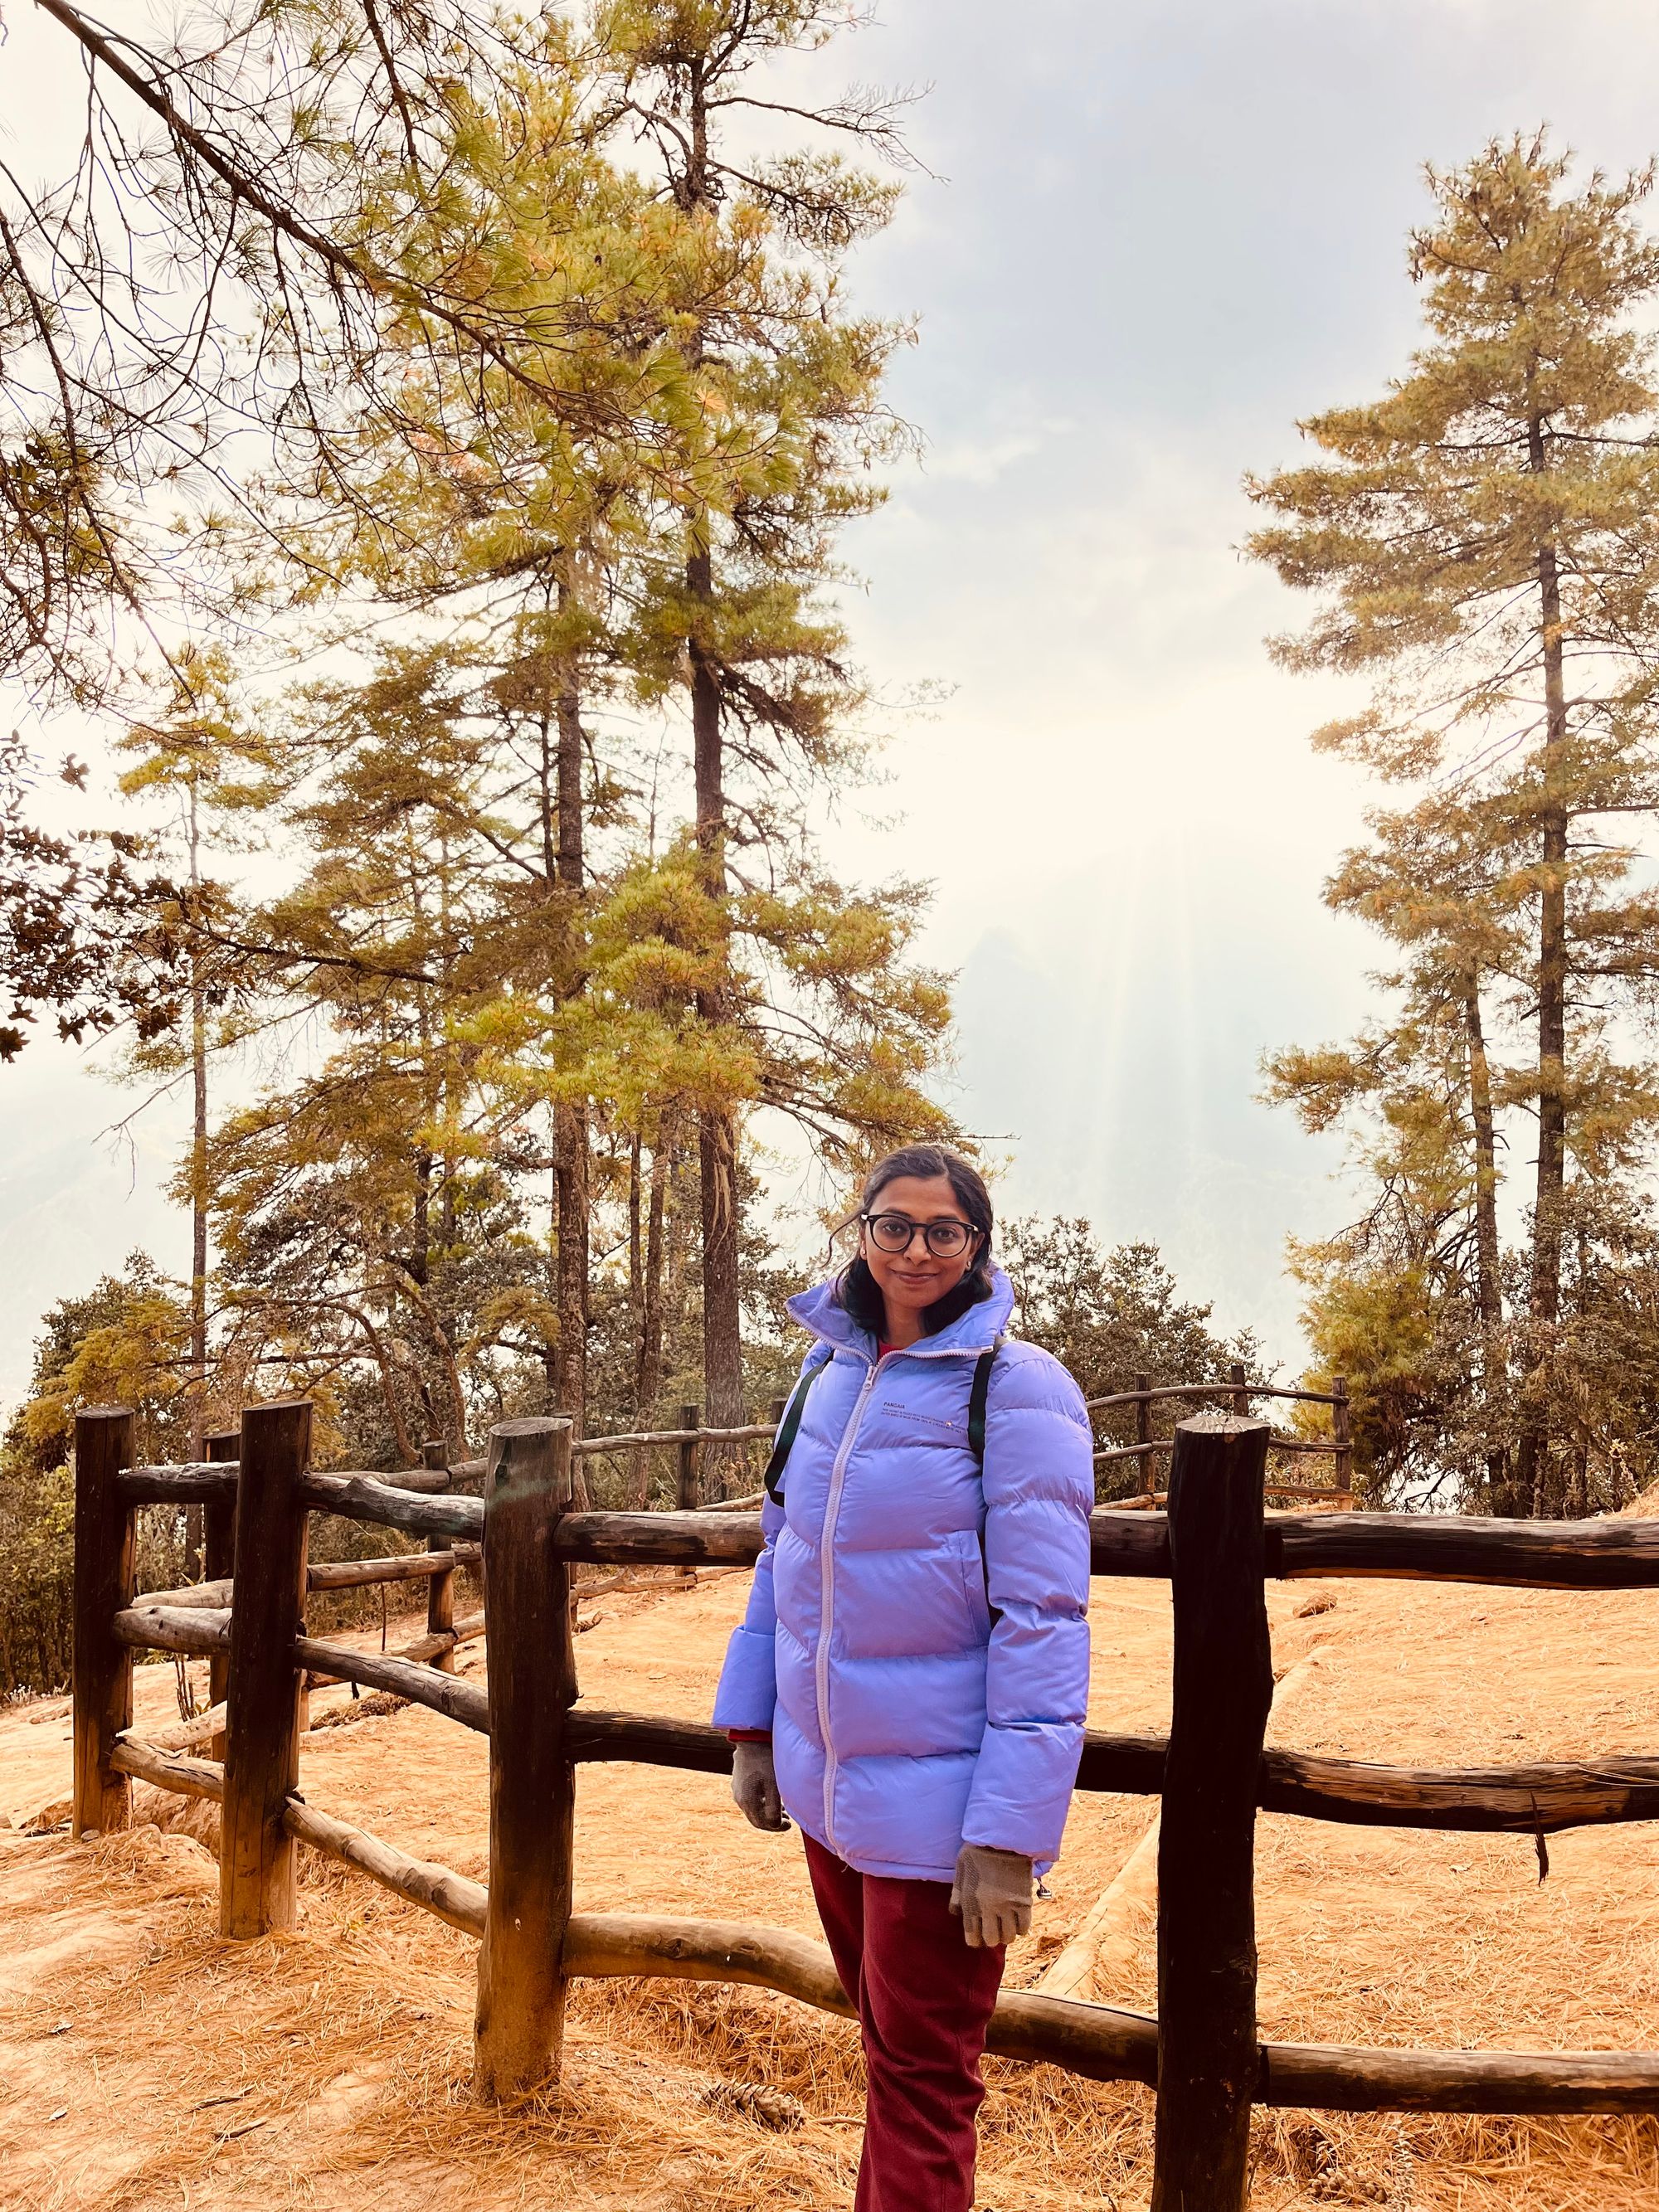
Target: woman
[910,1679]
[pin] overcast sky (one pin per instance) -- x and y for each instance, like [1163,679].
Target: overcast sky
[1156,232]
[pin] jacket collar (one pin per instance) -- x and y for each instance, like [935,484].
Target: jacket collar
[976,1330]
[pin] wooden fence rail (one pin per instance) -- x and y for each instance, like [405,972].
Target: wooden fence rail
[1215,1545]
[1238,1391]
[209,1483]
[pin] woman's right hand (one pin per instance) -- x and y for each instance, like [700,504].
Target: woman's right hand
[755,1786]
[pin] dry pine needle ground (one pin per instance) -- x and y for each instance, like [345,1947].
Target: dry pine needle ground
[144,2063]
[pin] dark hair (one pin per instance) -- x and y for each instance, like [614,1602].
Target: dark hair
[856,1288]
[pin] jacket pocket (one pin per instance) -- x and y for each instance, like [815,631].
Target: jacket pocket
[971,1560]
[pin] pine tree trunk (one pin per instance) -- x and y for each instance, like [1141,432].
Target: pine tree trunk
[723,1337]
[198,1268]
[1533,1468]
[548,814]
[636,1263]
[1488,1284]
[448,1223]
[198,1222]
[648,1381]
[717,1135]
[1579,1502]
[549,1354]
[420,1252]
[570,1133]
[199,1213]
[549,809]
[570,1170]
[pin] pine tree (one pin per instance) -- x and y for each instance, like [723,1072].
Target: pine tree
[490,861]
[1485,541]
[201,752]
[787,416]
[682,559]
[363,1205]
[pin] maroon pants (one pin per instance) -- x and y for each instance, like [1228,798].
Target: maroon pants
[924,2000]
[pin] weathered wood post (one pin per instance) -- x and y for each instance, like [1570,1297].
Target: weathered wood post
[1342,1435]
[1224,1686]
[688,1489]
[1240,1399]
[440,1589]
[687,1492]
[102,1676]
[257,1890]
[219,1560]
[518,2035]
[1144,1437]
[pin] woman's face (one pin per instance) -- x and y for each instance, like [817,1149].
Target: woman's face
[911,1281]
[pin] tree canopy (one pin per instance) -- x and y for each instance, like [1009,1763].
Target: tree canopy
[533,411]
[1482,545]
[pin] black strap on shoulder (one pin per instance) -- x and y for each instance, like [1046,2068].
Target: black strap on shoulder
[978,1397]
[787,1427]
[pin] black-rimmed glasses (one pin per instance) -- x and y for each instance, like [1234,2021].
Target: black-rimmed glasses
[895,1232]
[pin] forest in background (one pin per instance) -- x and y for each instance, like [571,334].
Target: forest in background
[478,738]
[428,441]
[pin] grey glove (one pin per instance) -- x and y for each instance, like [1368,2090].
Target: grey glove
[755,1786]
[992,1893]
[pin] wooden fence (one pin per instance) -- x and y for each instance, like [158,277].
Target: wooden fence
[1239,1393]
[1214,1545]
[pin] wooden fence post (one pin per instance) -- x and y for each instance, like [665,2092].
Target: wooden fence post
[1143,1436]
[440,1589]
[1240,1399]
[1342,1435]
[102,1677]
[1208,2056]
[218,1562]
[518,2034]
[257,1886]
[688,1490]
[688,1494]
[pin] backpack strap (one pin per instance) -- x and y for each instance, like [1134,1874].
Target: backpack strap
[788,1427]
[978,1397]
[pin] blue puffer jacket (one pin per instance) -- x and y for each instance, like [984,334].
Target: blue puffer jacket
[904,1724]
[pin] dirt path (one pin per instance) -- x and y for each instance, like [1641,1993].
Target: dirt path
[144,2065]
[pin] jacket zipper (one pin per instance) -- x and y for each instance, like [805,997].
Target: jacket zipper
[826,1562]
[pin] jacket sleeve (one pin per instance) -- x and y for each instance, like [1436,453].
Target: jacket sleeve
[748,1688]
[1039,1491]
[748,1692]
